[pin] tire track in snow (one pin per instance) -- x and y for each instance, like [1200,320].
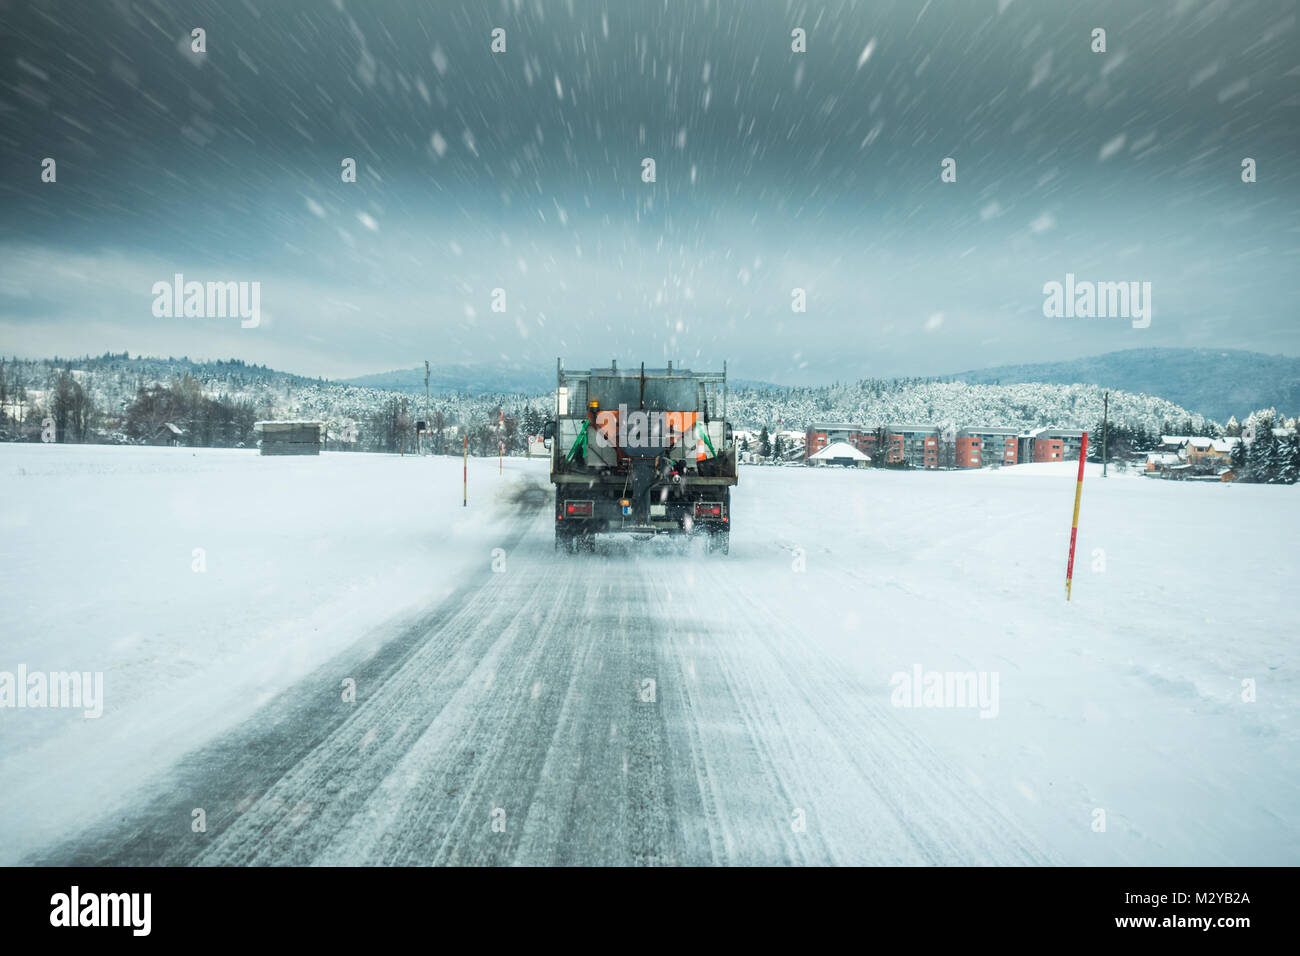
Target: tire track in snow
[523,695]
[917,807]
[228,775]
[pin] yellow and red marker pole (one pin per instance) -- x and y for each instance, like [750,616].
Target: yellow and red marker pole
[1074,525]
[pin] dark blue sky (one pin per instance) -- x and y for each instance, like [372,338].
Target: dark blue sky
[775,170]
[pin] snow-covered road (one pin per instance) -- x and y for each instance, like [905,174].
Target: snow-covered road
[649,705]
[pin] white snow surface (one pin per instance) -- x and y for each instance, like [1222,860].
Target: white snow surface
[1127,700]
[304,555]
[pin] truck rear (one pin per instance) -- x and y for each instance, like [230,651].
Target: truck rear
[641,452]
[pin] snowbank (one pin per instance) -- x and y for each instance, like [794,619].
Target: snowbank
[1129,699]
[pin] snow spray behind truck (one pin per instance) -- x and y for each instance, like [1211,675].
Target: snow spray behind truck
[642,452]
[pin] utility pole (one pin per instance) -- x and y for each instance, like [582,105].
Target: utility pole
[1105,425]
[427,420]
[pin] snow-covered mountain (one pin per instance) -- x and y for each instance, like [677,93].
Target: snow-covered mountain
[1217,383]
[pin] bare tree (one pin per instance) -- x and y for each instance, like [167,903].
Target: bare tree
[71,408]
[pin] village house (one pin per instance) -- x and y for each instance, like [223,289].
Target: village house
[168,434]
[1210,454]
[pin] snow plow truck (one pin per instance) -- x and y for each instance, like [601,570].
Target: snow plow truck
[641,452]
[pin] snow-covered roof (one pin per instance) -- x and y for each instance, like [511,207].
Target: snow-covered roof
[171,428]
[290,421]
[1226,444]
[1163,458]
[1173,439]
[1200,442]
[839,449]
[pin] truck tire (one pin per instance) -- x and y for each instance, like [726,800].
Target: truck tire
[720,541]
[571,542]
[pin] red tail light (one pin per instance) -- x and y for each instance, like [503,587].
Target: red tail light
[578,509]
[707,509]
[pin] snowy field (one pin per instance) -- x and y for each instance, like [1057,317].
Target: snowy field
[775,733]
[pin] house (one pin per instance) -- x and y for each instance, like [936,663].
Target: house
[1193,457]
[168,434]
[1210,454]
[840,453]
[290,437]
[1160,461]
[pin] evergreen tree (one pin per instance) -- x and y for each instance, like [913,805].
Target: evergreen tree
[1279,460]
[1240,461]
[1288,472]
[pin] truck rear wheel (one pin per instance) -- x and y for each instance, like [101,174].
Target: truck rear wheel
[720,541]
[571,542]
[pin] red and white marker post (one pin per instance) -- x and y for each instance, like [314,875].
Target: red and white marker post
[1074,525]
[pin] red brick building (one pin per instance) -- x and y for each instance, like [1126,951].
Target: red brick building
[821,436]
[930,451]
[968,452]
[1048,449]
[976,446]
[997,446]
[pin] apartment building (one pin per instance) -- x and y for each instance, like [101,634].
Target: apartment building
[923,445]
[918,445]
[996,446]
[821,436]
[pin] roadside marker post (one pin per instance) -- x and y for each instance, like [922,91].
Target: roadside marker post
[1074,525]
[465,504]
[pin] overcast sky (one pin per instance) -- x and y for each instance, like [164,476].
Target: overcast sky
[775,170]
